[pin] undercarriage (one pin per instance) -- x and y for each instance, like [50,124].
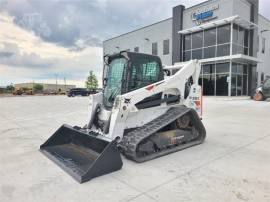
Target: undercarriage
[177,129]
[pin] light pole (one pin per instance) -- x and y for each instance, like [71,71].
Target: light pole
[65,84]
[56,77]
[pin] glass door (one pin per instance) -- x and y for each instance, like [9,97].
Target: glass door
[222,84]
[222,75]
[239,82]
[239,85]
[207,79]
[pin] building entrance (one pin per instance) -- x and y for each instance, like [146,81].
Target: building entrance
[214,79]
[239,80]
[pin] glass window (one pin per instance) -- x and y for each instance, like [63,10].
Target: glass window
[233,84]
[234,68]
[245,85]
[136,49]
[224,34]
[144,72]
[187,42]
[208,69]
[222,68]
[240,69]
[235,33]
[209,84]
[166,47]
[245,69]
[210,37]
[197,54]
[239,87]
[238,49]
[155,48]
[209,52]
[116,68]
[240,40]
[241,36]
[223,50]
[263,45]
[222,84]
[234,49]
[187,56]
[246,38]
[197,40]
[246,51]
[113,86]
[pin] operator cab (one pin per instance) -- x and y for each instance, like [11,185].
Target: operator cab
[127,71]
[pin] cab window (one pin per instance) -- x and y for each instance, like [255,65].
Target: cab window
[144,72]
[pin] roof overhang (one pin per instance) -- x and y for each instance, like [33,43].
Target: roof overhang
[235,58]
[235,19]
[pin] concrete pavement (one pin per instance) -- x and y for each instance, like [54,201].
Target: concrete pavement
[232,165]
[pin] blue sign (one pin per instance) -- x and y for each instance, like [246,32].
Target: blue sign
[203,15]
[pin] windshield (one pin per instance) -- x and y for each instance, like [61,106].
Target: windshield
[114,75]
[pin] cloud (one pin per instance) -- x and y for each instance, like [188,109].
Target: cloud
[90,41]
[25,56]
[78,24]
[4,54]
[12,56]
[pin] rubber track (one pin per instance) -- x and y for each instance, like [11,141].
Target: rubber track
[132,139]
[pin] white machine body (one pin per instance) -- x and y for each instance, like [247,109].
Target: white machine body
[125,114]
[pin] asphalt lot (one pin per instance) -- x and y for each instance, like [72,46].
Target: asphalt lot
[232,165]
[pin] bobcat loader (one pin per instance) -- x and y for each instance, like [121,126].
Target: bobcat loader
[145,111]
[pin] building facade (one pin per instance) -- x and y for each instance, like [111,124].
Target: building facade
[263,68]
[229,37]
[46,87]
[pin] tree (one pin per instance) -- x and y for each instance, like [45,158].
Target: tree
[10,88]
[91,82]
[38,87]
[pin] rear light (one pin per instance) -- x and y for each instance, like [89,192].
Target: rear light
[201,103]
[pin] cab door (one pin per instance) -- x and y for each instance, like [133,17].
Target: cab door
[145,70]
[266,88]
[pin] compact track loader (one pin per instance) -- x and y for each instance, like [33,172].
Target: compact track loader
[145,111]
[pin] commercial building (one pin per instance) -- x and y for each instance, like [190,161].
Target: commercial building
[229,37]
[46,87]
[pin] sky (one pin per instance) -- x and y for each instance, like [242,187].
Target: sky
[41,41]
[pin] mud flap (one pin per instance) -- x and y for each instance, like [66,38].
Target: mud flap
[82,155]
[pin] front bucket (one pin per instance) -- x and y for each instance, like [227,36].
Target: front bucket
[82,155]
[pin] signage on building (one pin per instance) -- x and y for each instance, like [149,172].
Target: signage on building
[200,16]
